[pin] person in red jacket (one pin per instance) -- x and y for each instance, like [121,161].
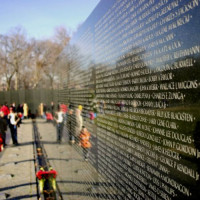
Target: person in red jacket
[6,111]
[84,138]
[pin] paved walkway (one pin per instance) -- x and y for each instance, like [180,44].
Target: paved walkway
[17,169]
[76,178]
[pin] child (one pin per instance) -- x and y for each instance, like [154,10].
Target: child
[84,142]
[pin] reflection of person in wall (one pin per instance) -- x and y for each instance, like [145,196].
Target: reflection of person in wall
[78,121]
[59,117]
[84,142]
[69,126]
[94,105]
[92,117]
[120,105]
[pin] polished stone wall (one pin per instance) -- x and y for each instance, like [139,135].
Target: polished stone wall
[136,65]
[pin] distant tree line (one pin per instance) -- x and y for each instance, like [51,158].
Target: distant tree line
[30,63]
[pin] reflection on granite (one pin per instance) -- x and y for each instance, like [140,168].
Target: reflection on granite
[136,67]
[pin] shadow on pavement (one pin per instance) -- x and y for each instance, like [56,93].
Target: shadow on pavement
[17,186]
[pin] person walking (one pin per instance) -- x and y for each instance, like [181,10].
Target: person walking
[25,110]
[59,118]
[41,110]
[52,107]
[14,120]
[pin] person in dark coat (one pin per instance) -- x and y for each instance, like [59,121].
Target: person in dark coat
[52,107]
[3,128]
[70,126]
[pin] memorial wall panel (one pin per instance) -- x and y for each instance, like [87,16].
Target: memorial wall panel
[137,67]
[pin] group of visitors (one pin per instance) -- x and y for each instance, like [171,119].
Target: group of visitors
[11,116]
[58,116]
[77,132]
[70,116]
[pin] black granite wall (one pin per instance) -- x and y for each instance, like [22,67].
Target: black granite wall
[137,66]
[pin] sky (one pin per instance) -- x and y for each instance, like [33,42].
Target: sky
[40,17]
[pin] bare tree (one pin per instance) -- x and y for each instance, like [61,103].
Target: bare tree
[18,50]
[30,63]
[69,62]
[61,37]
[55,47]
[14,50]
[7,69]
[27,70]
